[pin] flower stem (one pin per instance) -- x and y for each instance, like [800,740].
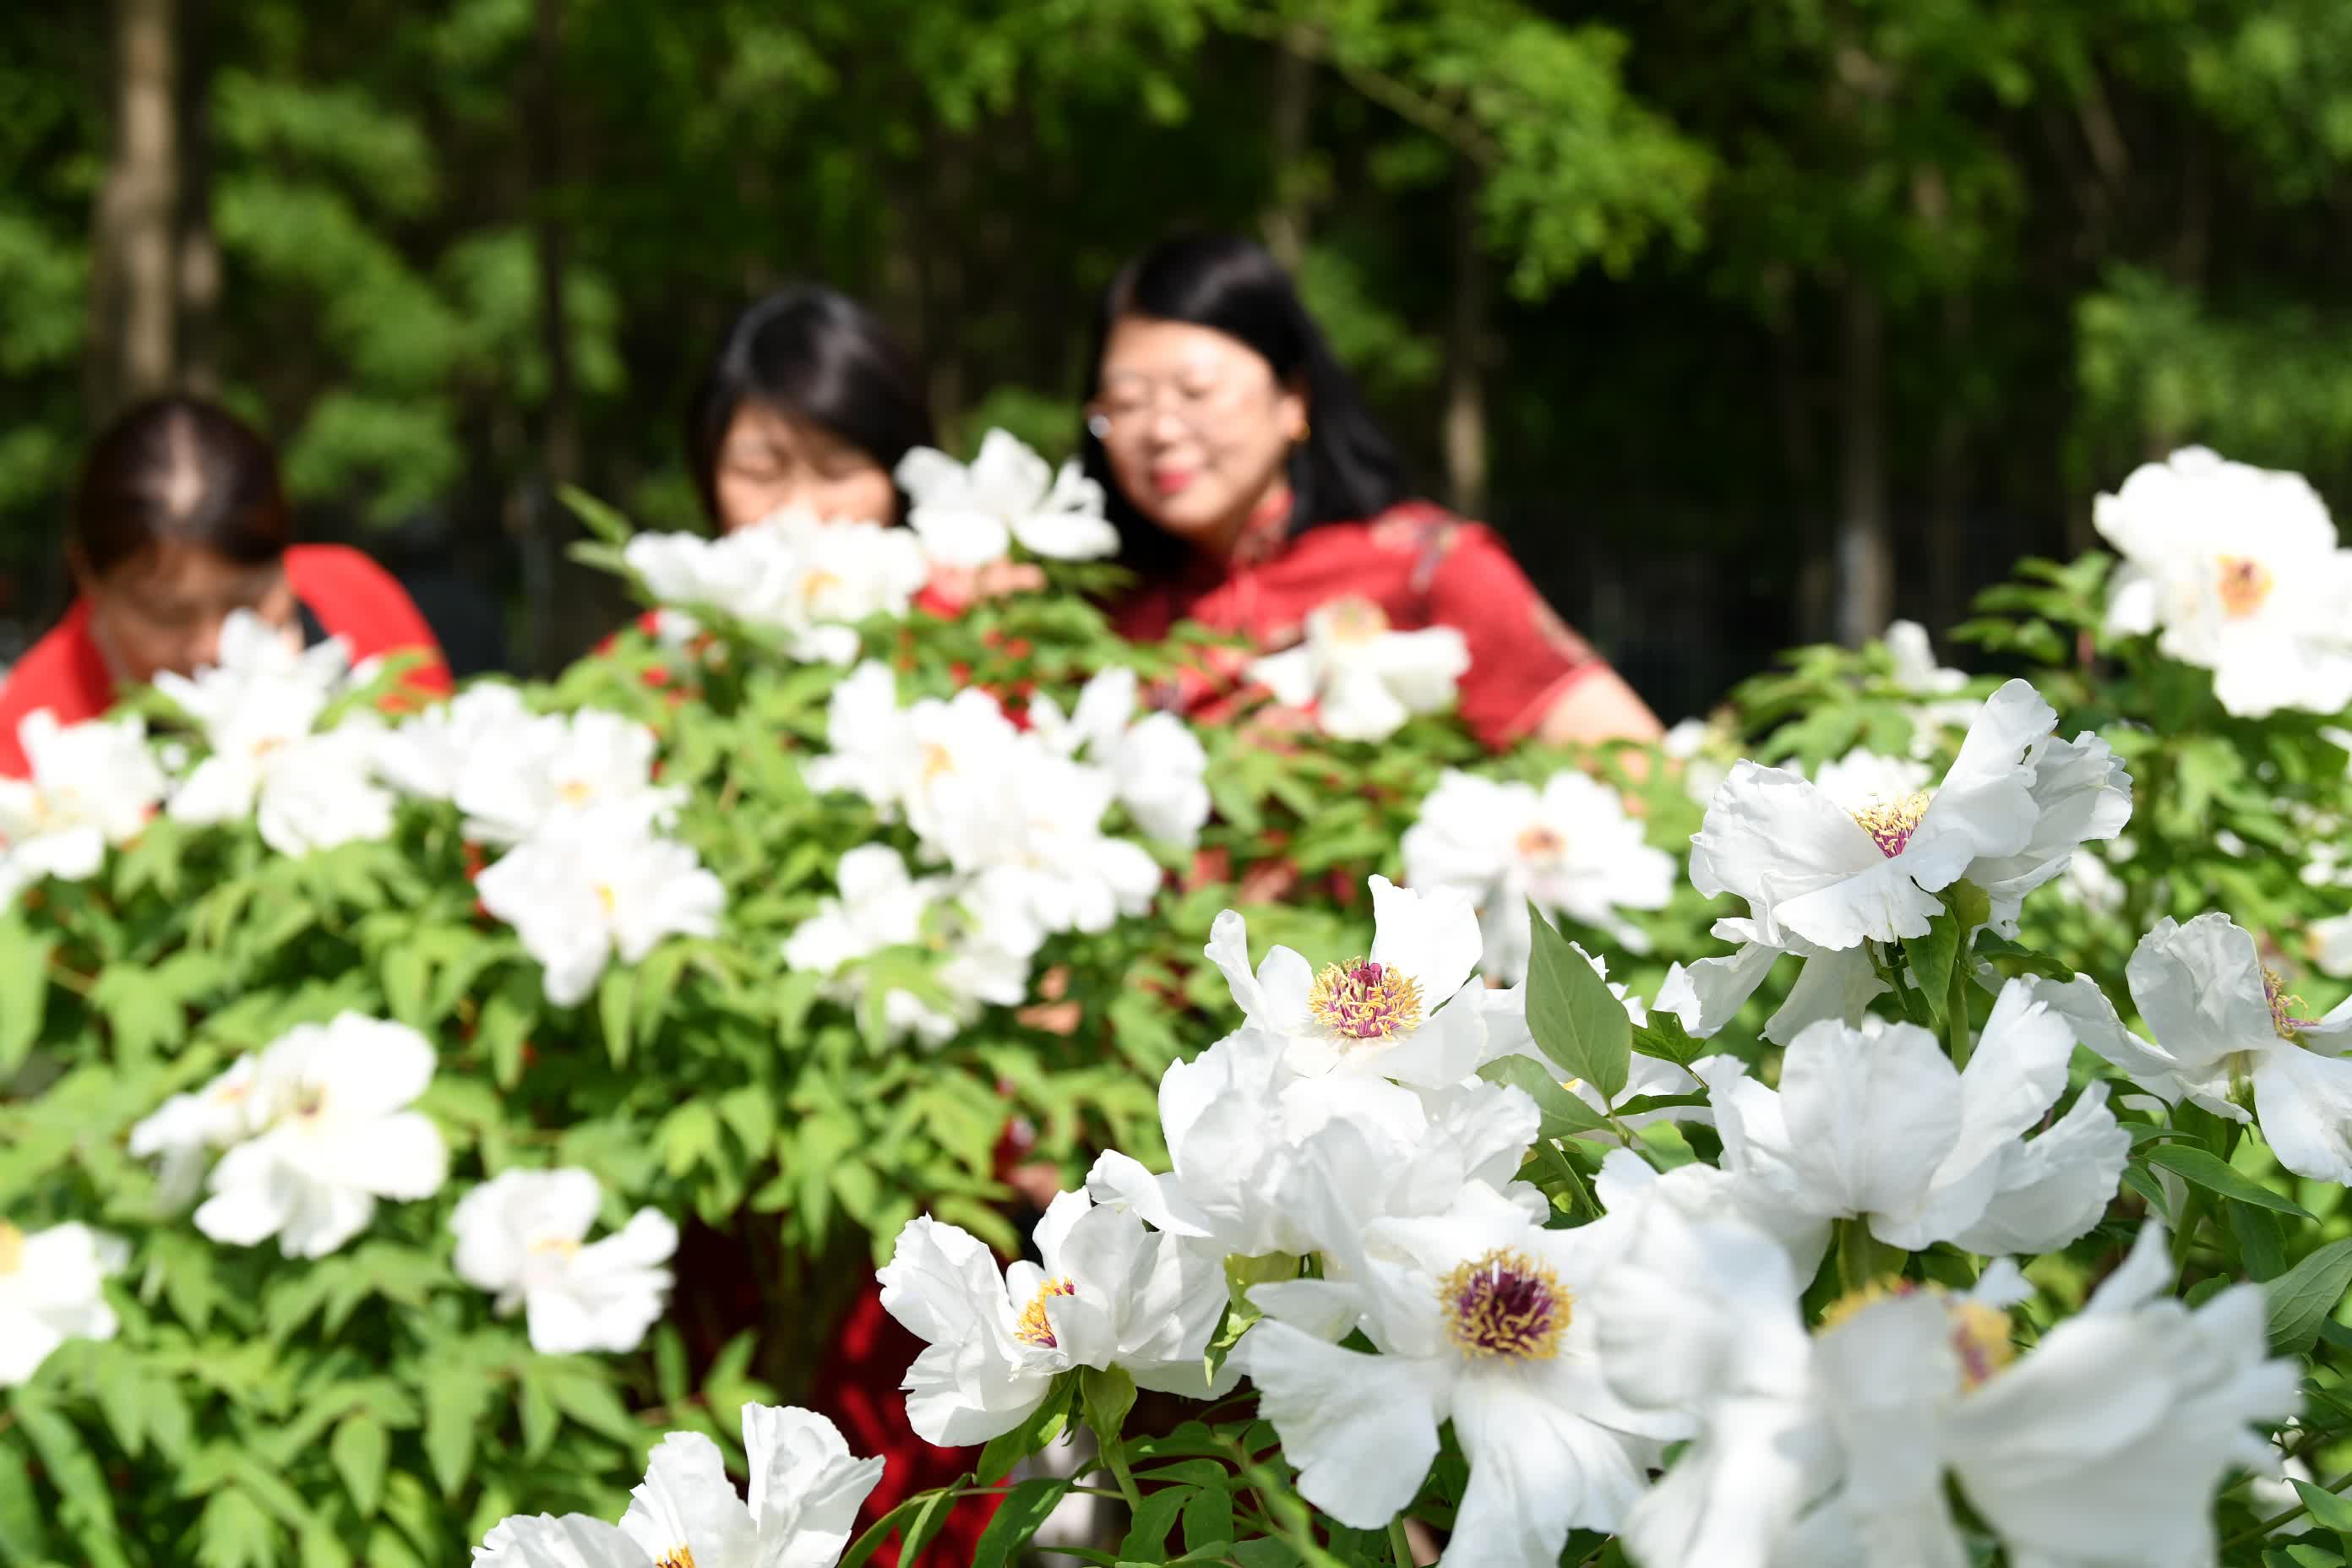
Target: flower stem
[1955,1009]
[1114,1454]
[2255,1532]
[1400,1547]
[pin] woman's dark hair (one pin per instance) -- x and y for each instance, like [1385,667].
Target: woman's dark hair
[174,468]
[1345,469]
[808,353]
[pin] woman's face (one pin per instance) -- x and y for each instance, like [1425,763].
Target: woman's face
[1195,424]
[768,463]
[164,608]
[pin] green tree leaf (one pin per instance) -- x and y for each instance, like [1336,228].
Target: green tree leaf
[2208,1170]
[2307,1296]
[1576,1020]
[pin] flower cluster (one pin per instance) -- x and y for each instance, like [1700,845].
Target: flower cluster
[587,871]
[1362,678]
[805,581]
[1383,1211]
[1014,820]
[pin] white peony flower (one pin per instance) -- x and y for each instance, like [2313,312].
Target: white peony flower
[881,905]
[1863,779]
[2103,1446]
[970,516]
[331,1104]
[1363,680]
[1480,1317]
[1836,877]
[1571,849]
[263,687]
[559,767]
[1694,744]
[2219,1014]
[1935,686]
[2331,945]
[2237,571]
[189,1128]
[426,756]
[319,791]
[596,884]
[810,580]
[1262,1157]
[1409,1011]
[523,1237]
[806,1488]
[1156,763]
[1108,1294]
[52,1289]
[1877,1124]
[93,784]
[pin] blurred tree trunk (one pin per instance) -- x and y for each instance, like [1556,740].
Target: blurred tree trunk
[1947,569]
[546,522]
[947,199]
[1865,552]
[1793,406]
[1466,334]
[1284,220]
[133,294]
[199,260]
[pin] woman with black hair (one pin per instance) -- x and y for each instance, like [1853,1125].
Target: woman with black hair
[178,522]
[808,404]
[1251,486]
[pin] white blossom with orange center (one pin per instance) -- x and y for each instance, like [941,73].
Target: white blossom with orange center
[1362,678]
[523,1237]
[2236,570]
[1480,1317]
[52,1289]
[801,581]
[1408,1010]
[556,768]
[1156,761]
[1110,1292]
[335,1131]
[806,1488]
[2102,1445]
[1571,847]
[2222,1021]
[425,755]
[969,515]
[588,887]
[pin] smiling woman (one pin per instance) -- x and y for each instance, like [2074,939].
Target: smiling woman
[178,523]
[1253,493]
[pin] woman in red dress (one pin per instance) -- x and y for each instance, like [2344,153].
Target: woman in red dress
[809,403]
[178,520]
[1252,487]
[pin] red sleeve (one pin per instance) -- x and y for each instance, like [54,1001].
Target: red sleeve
[358,600]
[63,672]
[1523,657]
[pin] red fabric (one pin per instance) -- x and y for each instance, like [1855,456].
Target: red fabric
[354,598]
[1423,566]
[858,1388]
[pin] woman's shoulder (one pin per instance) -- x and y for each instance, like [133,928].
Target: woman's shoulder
[357,600]
[1412,540]
[63,672]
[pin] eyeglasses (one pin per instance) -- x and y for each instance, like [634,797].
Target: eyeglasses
[1195,398]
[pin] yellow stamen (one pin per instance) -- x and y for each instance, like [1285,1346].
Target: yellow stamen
[1979,1334]
[1539,843]
[1891,823]
[676,1557]
[2244,585]
[605,897]
[1364,1002]
[1035,1327]
[11,1247]
[1355,621]
[1505,1304]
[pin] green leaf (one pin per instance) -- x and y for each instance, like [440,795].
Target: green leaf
[1147,1534]
[2307,1296]
[235,1533]
[1564,1115]
[22,1537]
[454,1398]
[614,993]
[1025,1508]
[2327,1509]
[1665,1039]
[2208,1170]
[1970,905]
[1930,960]
[1208,1519]
[1576,1020]
[361,1451]
[24,991]
[1107,1396]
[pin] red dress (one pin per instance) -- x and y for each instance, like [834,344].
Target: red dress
[352,597]
[1421,565]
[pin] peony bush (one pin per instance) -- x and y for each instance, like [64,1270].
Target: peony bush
[1901,1119]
